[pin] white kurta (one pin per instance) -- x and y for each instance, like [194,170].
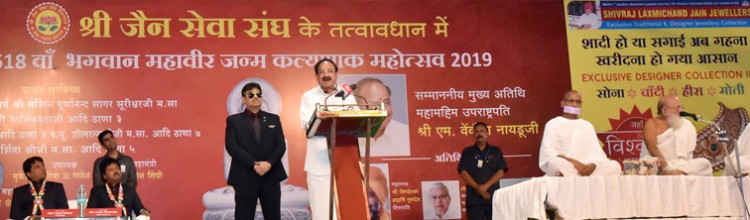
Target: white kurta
[576,139]
[677,145]
[317,164]
[743,146]
[316,159]
[590,19]
[394,142]
[450,214]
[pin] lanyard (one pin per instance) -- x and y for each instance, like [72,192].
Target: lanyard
[38,201]
[483,155]
[118,202]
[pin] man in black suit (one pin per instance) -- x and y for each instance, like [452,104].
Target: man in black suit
[255,140]
[114,194]
[30,199]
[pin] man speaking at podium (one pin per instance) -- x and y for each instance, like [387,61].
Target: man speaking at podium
[317,164]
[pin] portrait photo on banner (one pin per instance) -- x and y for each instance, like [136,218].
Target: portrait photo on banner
[441,199]
[379,195]
[392,139]
[584,15]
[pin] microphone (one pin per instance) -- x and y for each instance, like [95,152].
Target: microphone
[695,117]
[325,101]
[346,90]
[698,118]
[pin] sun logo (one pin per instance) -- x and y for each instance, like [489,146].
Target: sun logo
[48,23]
[625,140]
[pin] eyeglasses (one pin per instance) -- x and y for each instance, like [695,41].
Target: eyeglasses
[573,101]
[251,95]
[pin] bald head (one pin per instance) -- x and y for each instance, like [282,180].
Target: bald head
[375,91]
[570,93]
[571,98]
[571,104]
[369,81]
[668,104]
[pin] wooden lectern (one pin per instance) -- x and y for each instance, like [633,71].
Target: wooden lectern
[342,125]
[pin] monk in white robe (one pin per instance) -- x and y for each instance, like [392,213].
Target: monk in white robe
[743,146]
[570,147]
[672,140]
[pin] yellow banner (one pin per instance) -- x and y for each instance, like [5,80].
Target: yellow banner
[625,55]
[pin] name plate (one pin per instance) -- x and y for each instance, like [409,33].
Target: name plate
[103,212]
[59,213]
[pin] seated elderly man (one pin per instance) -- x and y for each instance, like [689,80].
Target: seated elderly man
[672,139]
[570,147]
[743,146]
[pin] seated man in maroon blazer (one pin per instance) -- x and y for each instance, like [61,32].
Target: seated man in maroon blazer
[113,194]
[30,199]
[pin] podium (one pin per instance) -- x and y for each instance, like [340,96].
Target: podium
[342,125]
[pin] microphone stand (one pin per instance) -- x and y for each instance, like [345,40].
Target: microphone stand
[737,173]
[359,96]
[325,101]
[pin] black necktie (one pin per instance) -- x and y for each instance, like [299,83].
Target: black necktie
[256,126]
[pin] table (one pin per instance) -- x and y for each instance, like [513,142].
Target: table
[621,197]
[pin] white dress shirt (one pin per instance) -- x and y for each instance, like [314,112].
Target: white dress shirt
[316,158]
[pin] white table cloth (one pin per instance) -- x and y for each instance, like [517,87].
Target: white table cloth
[620,197]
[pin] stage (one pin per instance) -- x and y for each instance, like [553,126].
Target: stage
[685,197]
